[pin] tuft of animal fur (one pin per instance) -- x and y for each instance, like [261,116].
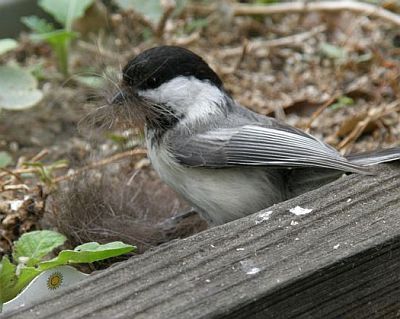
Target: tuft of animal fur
[105,206]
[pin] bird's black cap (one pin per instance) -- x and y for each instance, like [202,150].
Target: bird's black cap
[155,66]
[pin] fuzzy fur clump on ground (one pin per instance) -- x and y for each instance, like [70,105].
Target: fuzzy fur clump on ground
[107,206]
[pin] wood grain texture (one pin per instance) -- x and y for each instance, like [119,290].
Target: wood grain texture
[342,260]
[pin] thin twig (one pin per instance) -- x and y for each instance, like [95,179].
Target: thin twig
[325,6]
[319,111]
[19,171]
[373,115]
[303,7]
[15,187]
[245,47]
[42,154]
[100,163]
[169,7]
[284,41]
[7,172]
[184,41]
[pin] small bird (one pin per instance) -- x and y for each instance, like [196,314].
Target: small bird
[224,159]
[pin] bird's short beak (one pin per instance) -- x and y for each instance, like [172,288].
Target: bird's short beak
[118,98]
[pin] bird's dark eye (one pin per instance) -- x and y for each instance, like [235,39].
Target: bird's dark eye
[152,82]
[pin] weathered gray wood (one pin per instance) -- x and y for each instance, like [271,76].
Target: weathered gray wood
[342,260]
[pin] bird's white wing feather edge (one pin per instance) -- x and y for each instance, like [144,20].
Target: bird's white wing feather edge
[253,145]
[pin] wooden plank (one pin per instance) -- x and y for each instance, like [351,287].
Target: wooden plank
[342,260]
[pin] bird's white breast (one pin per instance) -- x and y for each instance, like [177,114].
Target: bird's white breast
[220,195]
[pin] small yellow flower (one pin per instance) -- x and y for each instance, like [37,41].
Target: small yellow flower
[55,280]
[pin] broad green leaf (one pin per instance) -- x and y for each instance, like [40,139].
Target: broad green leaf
[7,45]
[88,253]
[333,51]
[25,276]
[151,9]
[11,283]
[5,159]
[18,89]
[8,279]
[66,11]
[37,24]
[36,244]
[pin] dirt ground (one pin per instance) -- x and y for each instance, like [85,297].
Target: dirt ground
[334,74]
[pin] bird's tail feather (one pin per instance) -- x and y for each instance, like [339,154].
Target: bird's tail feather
[375,157]
[305,179]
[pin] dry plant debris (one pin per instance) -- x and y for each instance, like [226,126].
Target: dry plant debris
[329,67]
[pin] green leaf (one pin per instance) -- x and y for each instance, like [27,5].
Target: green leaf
[333,52]
[8,279]
[36,244]
[88,253]
[37,24]
[5,159]
[66,11]
[151,9]
[12,283]
[341,102]
[25,276]
[7,45]
[18,89]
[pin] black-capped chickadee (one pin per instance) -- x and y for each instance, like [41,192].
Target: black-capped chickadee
[224,159]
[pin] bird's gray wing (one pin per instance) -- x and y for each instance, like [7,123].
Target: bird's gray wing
[257,145]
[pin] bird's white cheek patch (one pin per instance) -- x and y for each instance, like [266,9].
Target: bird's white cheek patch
[187,95]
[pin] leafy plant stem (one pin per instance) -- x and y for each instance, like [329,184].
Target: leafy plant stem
[61,50]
